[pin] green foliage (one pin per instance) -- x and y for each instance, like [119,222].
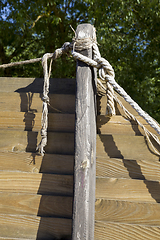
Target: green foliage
[128,33]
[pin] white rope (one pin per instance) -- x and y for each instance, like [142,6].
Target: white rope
[106,72]
[58,52]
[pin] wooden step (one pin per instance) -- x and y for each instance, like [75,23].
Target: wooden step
[37,205]
[128,189]
[119,125]
[126,168]
[15,141]
[34,163]
[35,85]
[16,182]
[28,102]
[124,147]
[127,212]
[32,227]
[117,231]
[28,121]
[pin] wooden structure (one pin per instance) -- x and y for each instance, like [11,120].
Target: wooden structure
[36,193]
[85,143]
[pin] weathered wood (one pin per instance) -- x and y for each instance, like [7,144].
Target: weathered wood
[119,125]
[38,205]
[127,212]
[28,102]
[116,231]
[35,85]
[128,189]
[124,168]
[34,163]
[32,227]
[29,121]
[85,144]
[17,141]
[16,182]
[124,147]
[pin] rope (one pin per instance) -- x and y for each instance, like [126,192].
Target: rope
[44,121]
[106,74]
[20,63]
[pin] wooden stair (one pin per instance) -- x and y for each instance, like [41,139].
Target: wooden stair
[36,192]
[128,180]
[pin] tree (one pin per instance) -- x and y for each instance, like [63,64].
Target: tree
[128,33]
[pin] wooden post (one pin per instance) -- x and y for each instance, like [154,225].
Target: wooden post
[85,144]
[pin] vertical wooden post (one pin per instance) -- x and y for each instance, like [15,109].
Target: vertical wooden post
[85,144]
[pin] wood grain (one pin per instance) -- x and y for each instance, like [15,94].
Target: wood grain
[116,231]
[119,125]
[128,189]
[126,168]
[85,143]
[38,205]
[124,147]
[127,212]
[34,163]
[16,182]
[28,121]
[24,102]
[32,227]
[17,141]
[35,85]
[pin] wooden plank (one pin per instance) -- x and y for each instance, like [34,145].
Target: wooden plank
[124,168]
[102,103]
[124,147]
[17,141]
[126,105]
[63,164]
[127,212]
[35,85]
[85,144]
[116,231]
[28,102]
[16,182]
[29,121]
[13,226]
[119,125]
[117,119]
[34,163]
[38,205]
[128,189]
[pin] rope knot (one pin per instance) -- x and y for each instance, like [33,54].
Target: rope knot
[45,99]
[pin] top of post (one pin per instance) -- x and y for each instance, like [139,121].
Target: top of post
[85,36]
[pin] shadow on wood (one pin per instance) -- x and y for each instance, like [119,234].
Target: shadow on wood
[133,168]
[56,185]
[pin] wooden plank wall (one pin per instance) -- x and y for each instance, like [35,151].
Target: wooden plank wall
[36,192]
[128,180]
